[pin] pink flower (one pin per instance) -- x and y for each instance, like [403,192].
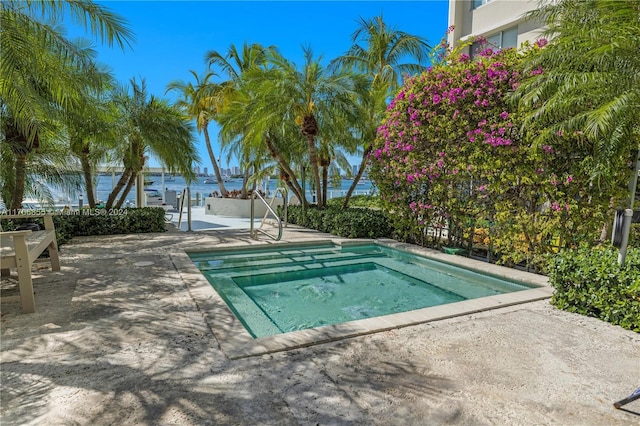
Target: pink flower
[537,71]
[504,115]
[542,42]
[569,179]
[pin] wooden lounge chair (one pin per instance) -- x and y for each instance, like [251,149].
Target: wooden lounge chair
[20,249]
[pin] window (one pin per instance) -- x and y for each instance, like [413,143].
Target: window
[500,40]
[478,3]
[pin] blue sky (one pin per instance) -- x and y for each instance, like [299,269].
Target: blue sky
[172,37]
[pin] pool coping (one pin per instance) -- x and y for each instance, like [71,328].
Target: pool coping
[236,342]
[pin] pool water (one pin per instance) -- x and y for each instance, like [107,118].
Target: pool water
[275,290]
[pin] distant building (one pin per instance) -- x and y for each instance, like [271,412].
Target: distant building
[354,169]
[501,22]
[236,170]
[206,171]
[196,170]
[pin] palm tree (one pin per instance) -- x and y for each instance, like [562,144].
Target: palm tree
[586,83]
[312,96]
[90,127]
[149,126]
[379,52]
[262,128]
[39,67]
[234,64]
[590,80]
[371,110]
[201,102]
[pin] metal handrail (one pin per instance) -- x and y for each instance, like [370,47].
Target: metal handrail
[284,193]
[254,232]
[186,193]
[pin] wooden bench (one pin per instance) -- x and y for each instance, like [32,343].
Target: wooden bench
[20,249]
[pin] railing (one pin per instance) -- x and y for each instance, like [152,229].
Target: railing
[186,194]
[254,232]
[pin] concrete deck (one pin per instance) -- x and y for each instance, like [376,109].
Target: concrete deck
[122,336]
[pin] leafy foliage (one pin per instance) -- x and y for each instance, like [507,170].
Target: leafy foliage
[368,201]
[100,222]
[450,154]
[589,281]
[348,223]
[591,79]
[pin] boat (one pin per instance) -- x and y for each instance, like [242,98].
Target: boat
[148,182]
[210,181]
[153,197]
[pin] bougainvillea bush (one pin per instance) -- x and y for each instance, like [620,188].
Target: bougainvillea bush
[452,159]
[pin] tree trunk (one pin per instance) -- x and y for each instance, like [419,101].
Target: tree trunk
[20,178]
[363,164]
[245,180]
[124,178]
[310,130]
[216,169]
[293,180]
[88,176]
[313,160]
[325,181]
[132,179]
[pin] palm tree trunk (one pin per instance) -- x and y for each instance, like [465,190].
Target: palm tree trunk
[132,179]
[245,180]
[325,181]
[363,164]
[284,165]
[216,169]
[116,189]
[313,160]
[88,176]
[20,177]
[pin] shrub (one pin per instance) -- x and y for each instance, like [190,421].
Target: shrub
[368,201]
[452,151]
[347,223]
[100,222]
[589,281]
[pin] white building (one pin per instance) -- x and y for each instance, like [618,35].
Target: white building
[501,22]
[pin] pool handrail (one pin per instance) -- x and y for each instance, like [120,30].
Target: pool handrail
[186,194]
[254,232]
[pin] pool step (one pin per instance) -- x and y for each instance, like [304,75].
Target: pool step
[239,264]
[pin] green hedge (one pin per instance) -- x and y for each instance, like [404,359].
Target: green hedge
[368,201]
[348,223]
[589,281]
[99,222]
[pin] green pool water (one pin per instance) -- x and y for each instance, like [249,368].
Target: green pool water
[278,289]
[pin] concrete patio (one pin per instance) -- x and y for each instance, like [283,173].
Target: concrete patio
[118,338]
